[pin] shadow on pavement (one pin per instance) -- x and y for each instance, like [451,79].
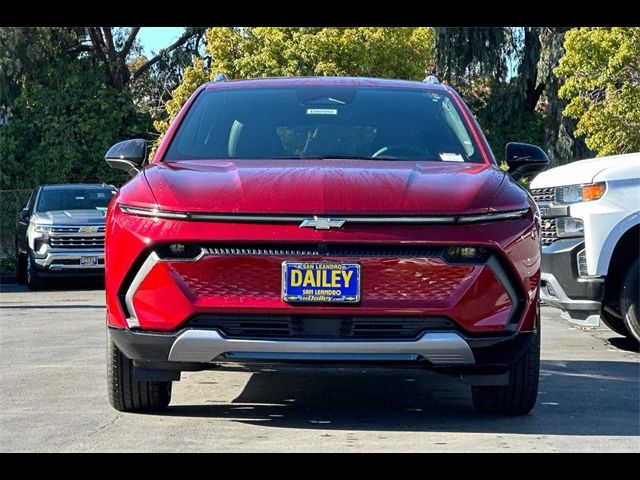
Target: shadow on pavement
[625,343]
[59,284]
[576,398]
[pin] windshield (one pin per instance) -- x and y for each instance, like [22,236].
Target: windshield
[74,199]
[324,122]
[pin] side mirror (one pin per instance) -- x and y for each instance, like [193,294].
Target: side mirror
[24,214]
[524,159]
[128,156]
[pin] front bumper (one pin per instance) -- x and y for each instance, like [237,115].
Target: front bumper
[562,287]
[195,349]
[404,272]
[67,261]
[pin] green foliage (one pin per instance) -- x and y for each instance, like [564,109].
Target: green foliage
[251,52]
[601,69]
[63,111]
[7,265]
[499,110]
[61,124]
[284,51]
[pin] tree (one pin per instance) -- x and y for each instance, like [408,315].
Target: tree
[506,76]
[62,111]
[601,72]
[194,76]
[284,51]
[61,124]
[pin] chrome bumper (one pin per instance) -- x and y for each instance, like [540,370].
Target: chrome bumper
[205,346]
[51,260]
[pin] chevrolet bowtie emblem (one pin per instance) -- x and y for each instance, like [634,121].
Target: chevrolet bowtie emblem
[322,223]
[88,229]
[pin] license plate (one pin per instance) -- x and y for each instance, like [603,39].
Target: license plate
[321,282]
[88,261]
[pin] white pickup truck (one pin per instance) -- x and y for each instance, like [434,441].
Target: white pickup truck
[590,213]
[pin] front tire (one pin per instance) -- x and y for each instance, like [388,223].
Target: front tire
[629,300]
[34,280]
[126,394]
[614,323]
[518,397]
[21,268]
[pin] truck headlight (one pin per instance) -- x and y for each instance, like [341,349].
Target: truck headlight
[567,227]
[580,193]
[42,228]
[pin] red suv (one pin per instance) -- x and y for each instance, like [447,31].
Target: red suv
[324,221]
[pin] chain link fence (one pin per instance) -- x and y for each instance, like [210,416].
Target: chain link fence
[11,203]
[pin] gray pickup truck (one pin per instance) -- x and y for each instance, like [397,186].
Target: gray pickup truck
[61,232]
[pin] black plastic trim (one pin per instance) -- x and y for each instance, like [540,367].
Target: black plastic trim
[559,260]
[493,355]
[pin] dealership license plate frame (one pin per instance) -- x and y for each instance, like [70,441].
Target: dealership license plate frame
[352,297]
[89,261]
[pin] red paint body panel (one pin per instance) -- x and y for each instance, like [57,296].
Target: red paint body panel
[471,296]
[174,291]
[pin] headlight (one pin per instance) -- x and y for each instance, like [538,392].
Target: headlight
[567,227]
[42,229]
[580,193]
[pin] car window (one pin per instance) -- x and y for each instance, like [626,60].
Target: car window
[52,199]
[324,122]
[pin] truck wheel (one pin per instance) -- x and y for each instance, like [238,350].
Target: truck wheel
[629,299]
[127,394]
[34,280]
[614,323]
[518,397]
[21,268]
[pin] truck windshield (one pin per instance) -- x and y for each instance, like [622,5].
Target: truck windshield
[318,122]
[52,199]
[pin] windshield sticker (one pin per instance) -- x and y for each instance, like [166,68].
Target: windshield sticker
[322,111]
[451,157]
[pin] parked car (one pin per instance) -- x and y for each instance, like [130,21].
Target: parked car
[591,240]
[61,233]
[324,221]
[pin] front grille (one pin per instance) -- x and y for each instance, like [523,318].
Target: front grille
[76,229]
[324,249]
[77,242]
[541,195]
[309,327]
[548,232]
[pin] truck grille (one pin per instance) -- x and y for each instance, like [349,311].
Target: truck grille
[549,234]
[77,242]
[306,327]
[77,229]
[542,195]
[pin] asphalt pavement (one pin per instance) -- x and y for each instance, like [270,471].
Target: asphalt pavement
[53,396]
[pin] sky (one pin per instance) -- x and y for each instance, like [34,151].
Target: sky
[155,38]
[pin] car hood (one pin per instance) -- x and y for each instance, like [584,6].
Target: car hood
[71,217]
[324,186]
[582,171]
